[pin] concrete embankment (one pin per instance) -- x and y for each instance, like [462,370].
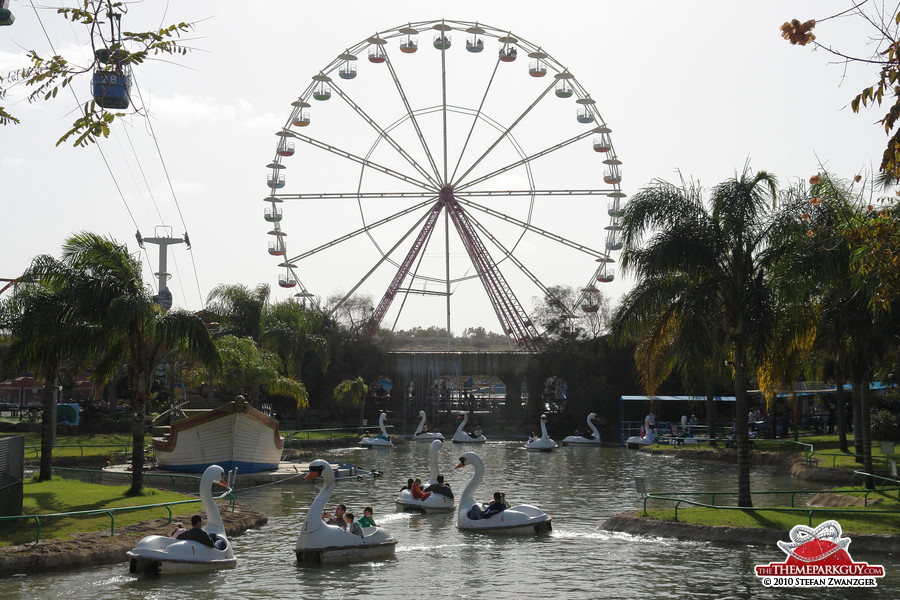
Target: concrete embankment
[100,548]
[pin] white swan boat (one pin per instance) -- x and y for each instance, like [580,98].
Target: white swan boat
[382,440]
[435,501]
[580,440]
[320,542]
[461,437]
[543,443]
[425,436]
[643,440]
[516,520]
[233,436]
[159,554]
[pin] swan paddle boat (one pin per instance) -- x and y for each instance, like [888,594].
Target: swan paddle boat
[320,542]
[435,501]
[461,437]
[517,520]
[581,440]
[647,437]
[425,436]
[159,554]
[543,443]
[382,440]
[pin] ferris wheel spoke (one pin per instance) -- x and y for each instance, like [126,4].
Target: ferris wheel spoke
[505,133]
[384,134]
[475,120]
[506,193]
[362,230]
[357,159]
[526,160]
[508,253]
[412,115]
[426,217]
[533,228]
[352,195]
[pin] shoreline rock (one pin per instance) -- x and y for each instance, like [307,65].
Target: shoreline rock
[99,548]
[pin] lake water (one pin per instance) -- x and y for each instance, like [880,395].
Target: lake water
[578,487]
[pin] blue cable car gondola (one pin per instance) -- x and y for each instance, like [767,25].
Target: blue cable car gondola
[111,85]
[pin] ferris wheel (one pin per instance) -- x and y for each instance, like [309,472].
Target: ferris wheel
[390,137]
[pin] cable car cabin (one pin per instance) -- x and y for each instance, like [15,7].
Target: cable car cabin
[322,92]
[507,54]
[111,89]
[537,69]
[612,176]
[614,210]
[284,282]
[277,248]
[441,41]
[590,308]
[348,71]
[564,90]
[285,148]
[613,244]
[301,119]
[275,182]
[273,215]
[376,54]
[474,45]
[607,276]
[409,46]
[602,144]
[584,115]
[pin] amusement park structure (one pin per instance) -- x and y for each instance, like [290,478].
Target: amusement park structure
[434,151]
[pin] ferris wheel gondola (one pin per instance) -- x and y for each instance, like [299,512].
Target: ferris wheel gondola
[438,157]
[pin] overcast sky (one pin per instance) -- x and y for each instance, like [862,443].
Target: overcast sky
[694,89]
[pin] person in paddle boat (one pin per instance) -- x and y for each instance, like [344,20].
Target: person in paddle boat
[439,487]
[352,526]
[179,529]
[196,533]
[417,492]
[338,518]
[476,432]
[408,486]
[533,437]
[497,506]
[366,520]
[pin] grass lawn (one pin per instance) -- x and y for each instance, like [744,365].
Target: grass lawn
[874,522]
[67,495]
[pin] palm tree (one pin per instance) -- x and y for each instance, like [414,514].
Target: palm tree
[240,309]
[354,391]
[721,253]
[43,338]
[105,295]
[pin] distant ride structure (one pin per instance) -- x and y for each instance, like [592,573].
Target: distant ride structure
[517,162]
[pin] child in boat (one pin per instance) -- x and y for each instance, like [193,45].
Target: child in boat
[179,529]
[366,520]
[417,492]
[352,527]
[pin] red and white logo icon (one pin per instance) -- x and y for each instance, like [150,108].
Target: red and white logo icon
[818,558]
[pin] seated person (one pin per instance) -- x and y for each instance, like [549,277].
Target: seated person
[179,529]
[196,533]
[338,518]
[440,488]
[366,520]
[408,486]
[533,437]
[352,526]
[417,492]
[498,505]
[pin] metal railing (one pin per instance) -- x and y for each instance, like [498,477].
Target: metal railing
[678,500]
[111,512]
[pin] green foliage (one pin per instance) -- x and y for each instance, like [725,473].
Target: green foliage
[885,426]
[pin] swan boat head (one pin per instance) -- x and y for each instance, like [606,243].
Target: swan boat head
[158,554]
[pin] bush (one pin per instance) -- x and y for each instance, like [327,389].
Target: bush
[885,426]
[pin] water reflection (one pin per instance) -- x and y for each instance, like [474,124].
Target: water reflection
[578,487]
